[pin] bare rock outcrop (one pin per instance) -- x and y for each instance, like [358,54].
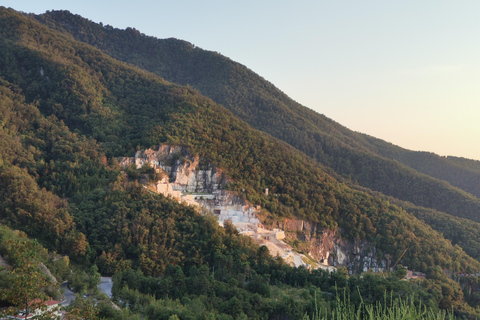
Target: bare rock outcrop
[329,248]
[198,182]
[185,173]
[194,180]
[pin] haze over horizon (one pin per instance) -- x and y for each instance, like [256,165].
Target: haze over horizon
[402,71]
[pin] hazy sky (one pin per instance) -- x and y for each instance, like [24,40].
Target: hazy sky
[404,71]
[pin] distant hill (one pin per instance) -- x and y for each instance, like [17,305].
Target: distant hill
[459,172]
[373,163]
[468,163]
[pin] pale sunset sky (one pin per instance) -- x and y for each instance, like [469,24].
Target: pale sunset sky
[407,72]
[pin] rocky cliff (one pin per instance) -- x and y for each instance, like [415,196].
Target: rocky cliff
[185,172]
[329,248]
[195,181]
[198,182]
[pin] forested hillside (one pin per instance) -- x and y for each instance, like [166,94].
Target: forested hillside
[124,108]
[67,111]
[459,172]
[373,163]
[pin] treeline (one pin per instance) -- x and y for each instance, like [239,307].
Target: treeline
[235,285]
[370,162]
[297,293]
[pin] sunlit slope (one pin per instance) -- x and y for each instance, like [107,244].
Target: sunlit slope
[122,108]
[371,162]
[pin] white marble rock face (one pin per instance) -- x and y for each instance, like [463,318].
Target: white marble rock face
[195,181]
[199,183]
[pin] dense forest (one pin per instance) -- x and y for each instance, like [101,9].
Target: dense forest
[353,155]
[68,110]
[422,178]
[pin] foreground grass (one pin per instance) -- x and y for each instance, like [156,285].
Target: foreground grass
[389,309]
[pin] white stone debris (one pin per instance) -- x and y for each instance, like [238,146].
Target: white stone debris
[198,183]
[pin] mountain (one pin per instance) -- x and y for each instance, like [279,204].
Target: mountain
[124,108]
[69,110]
[422,178]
